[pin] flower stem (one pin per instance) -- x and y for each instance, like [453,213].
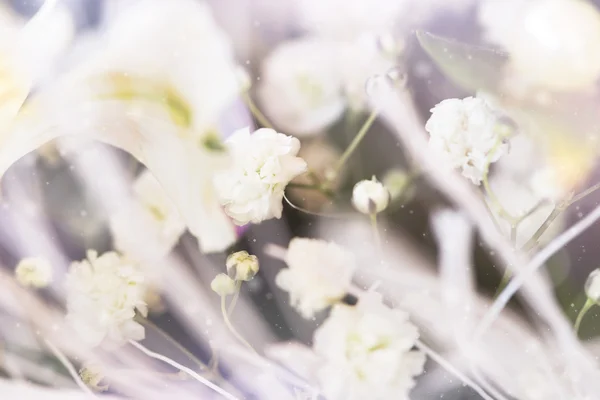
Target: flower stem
[233,331]
[376,234]
[356,141]
[260,117]
[531,243]
[168,337]
[69,366]
[236,295]
[586,307]
[182,368]
[585,193]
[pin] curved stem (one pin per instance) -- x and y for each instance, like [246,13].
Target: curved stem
[356,141]
[69,366]
[586,307]
[233,331]
[236,295]
[260,117]
[168,337]
[182,368]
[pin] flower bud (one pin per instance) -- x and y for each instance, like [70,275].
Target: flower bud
[370,197]
[396,182]
[223,285]
[242,266]
[34,272]
[592,286]
[91,374]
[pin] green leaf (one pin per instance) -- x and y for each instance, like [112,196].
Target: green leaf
[472,68]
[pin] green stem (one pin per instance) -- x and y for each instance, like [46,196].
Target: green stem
[376,234]
[586,307]
[168,337]
[356,141]
[260,117]
[585,193]
[531,243]
[233,331]
[318,187]
[236,295]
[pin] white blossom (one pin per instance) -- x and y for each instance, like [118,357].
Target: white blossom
[555,44]
[300,87]
[464,132]
[592,286]
[103,295]
[223,285]
[319,274]
[92,375]
[264,162]
[152,218]
[367,352]
[242,266]
[34,271]
[370,196]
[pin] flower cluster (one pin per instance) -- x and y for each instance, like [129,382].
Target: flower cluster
[103,295]
[464,132]
[264,162]
[34,271]
[318,274]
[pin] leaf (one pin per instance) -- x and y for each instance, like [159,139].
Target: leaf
[470,67]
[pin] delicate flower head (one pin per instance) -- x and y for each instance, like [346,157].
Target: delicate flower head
[92,375]
[319,274]
[34,272]
[223,285]
[367,352]
[592,286]
[300,88]
[465,133]
[152,218]
[370,196]
[103,295]
[242,266]
[264,162]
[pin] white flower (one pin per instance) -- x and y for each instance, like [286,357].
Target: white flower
[151,226]
[300,88]
[242,266]
[92,375]
[464,132]
[555,44]
[346,19]
[264,162]
[223,285]
[319,274]
[370,196]
[103,294]
[367,352]
[592,286]
[34,271]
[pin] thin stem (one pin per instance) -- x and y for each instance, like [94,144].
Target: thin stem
[69,366]
[356,141]
[318,187]
[586,307]
[236,295]
[232,329]
[376,234]
[531,243]
[585,193]
[507,273]
[168,337]
[182,368]
[260,117]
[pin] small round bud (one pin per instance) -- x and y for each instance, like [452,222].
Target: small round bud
[370,197]
[396,182]
[242,266]
[92,375]
[34,272]
[223,285]
[592,286]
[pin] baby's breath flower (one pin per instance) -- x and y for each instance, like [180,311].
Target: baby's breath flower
[223,285]
[103,295]
[592,286]
[34,272]
[370,196]
[318,274]
[465,133]
[367,352]
[264,162]
[91,374]
[300,86]
[242,266]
